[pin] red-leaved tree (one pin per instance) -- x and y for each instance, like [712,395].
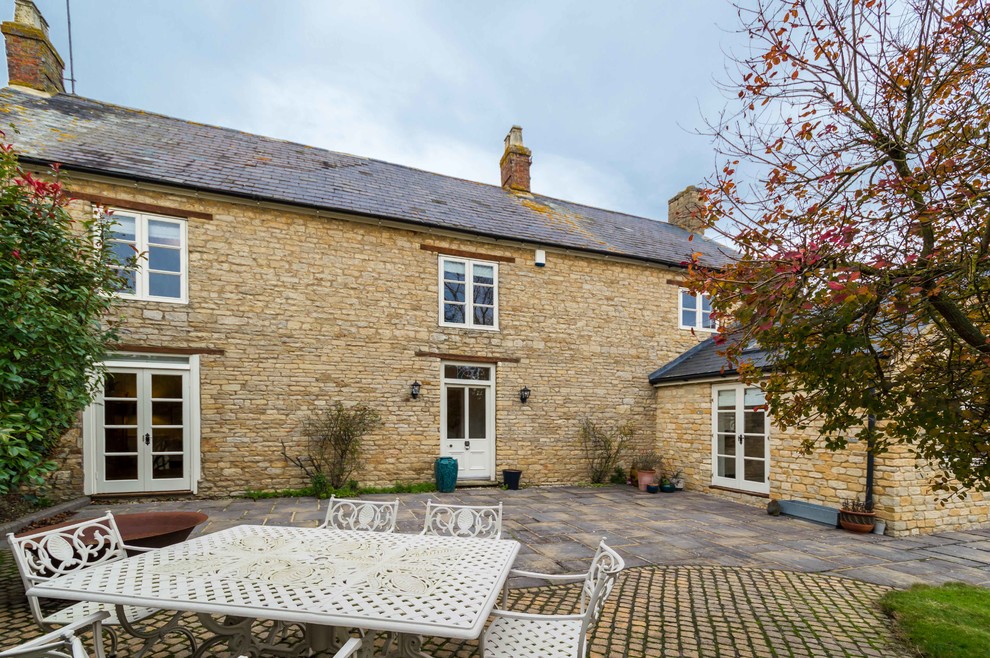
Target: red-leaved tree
[855,189]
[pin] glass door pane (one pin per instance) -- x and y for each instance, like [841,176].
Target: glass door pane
[754,435]
[455,412]
[478,413]
[167,426]
[120,427]
[725,434]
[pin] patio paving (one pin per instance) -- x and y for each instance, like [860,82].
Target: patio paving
[707,577]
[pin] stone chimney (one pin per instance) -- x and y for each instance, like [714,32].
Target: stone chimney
[684,210]
[31,58]
[515,162]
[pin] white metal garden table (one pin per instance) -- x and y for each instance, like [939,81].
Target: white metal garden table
[322,579]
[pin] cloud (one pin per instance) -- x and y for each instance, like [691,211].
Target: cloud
[359,122]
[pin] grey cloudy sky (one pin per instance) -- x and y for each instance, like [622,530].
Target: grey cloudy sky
[608,94]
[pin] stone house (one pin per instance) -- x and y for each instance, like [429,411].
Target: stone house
[724,441]
[280,277]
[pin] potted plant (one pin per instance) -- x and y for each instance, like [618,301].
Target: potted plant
[677,479]
[645,464]
[668,476]
[856,515]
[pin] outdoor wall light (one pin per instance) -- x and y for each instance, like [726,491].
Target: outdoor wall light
[414,390]
[523,394]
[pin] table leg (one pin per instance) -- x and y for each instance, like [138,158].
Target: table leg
[150,635]
[322,638]
[409,646]
[237,634]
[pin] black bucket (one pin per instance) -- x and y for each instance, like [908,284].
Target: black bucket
[510,477]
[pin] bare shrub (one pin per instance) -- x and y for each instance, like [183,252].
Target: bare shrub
[603,447]
[333,449]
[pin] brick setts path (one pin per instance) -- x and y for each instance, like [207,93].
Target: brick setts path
[704,577]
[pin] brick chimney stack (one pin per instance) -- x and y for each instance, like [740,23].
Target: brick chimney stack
[32,60]
[684,210]
[515,162]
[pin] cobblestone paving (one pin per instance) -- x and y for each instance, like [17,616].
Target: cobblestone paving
[705,578]
[653,611]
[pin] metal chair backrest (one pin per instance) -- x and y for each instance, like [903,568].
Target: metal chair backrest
[605,567]
[463,520]
[59,551]
[347,514]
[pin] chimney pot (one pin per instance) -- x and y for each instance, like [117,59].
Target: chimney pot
[515,162]
[32,60]
[684,210]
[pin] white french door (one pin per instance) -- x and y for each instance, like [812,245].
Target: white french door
[740,438]
[140,432]
[467,418]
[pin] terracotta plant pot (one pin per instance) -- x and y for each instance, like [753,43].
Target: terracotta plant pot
[645,478]
[857,521]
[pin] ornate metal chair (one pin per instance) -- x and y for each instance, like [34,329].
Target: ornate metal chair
[59,551]
[463,520]
[346,514]
[62,643]
[522,635]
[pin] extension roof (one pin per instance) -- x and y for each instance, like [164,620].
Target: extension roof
[704,362]
[90,136]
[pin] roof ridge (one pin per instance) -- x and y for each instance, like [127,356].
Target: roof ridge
[87,99]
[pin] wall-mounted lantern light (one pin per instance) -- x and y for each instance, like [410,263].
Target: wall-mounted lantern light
[523,394]
[414,390]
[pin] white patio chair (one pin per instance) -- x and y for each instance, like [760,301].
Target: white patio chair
[44,555]
[347,514]
[463,520]
[63,643]
[522,635]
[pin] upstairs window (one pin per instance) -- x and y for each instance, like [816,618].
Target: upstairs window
[468,293]
[696,312]
[160,273]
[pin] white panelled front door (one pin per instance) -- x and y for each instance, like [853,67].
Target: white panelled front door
[741,438]
[139,432]
[467,418]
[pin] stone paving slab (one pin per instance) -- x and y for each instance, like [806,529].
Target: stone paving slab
[706,577]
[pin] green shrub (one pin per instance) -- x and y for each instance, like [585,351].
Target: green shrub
[57,284]
[619,476]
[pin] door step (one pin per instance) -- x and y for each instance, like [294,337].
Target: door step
[475,484]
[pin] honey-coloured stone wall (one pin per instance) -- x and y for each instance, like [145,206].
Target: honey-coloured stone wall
[902,484]
[308,310]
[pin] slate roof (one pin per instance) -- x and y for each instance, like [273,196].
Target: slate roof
[702,362]
[86,135]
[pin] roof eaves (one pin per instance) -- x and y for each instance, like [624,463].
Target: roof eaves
[255,197]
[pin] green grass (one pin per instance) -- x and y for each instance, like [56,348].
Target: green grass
[344,492]
[949,621]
